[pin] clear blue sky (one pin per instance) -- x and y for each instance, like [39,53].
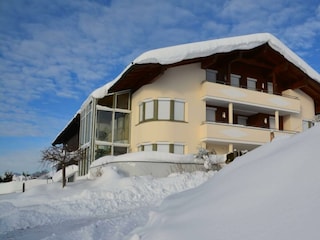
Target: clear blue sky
[53,54]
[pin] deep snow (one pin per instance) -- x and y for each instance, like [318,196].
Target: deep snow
[272,192]
[108,207]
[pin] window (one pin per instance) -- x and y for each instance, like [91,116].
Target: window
[164,109]
[123,101]
[211,75]
[119,150]
[85,124]
[162,147]
[307,124]
[242,120]
[107,101]
[235,80]
[211,114]
[270,87]
[121,127]
[178,149]
[252,83]
[178,111]
[147,148]
[102,150]
[148,111]
[104,126]
[272,122]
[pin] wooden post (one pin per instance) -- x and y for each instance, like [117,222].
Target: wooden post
[23,187]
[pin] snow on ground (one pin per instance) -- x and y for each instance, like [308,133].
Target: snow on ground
[272,192]
[108,207]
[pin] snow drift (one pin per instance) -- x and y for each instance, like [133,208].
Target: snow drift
[272,192]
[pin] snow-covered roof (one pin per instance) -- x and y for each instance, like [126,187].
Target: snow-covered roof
[175,54]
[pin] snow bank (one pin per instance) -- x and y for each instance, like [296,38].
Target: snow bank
[269,193]
[109,207]
[146,157]
[156,164]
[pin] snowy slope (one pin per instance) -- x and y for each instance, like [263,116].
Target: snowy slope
[108,207]
[270,193]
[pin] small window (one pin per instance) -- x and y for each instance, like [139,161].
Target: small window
[123,101]
[270,87]
[147,148]
[272,122]
[242,120]
[107,101]
[307,124]
[119,150]
[178,149]
[235,80]
[162,147]
[211,75]
[141,112]
[211,114]
[252,83]
[178,111]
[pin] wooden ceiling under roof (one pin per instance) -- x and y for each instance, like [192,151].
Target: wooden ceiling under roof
[269,62]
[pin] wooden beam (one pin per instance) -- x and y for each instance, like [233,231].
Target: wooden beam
[209,62]
[281,67]
[299,84]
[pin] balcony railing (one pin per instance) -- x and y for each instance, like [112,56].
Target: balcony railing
[222,132]
[226,93]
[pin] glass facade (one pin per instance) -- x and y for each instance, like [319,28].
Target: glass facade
[109,117]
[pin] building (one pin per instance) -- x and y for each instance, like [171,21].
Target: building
[225,94]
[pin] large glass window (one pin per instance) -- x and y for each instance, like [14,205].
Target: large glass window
[178,111]
[164,109]
[149,109]
[104,126]
[85,124]
[121,127]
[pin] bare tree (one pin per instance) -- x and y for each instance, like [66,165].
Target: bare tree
[61,158]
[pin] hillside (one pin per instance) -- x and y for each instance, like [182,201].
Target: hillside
[270,193]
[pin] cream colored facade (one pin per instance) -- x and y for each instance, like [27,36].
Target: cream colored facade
[188,83]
